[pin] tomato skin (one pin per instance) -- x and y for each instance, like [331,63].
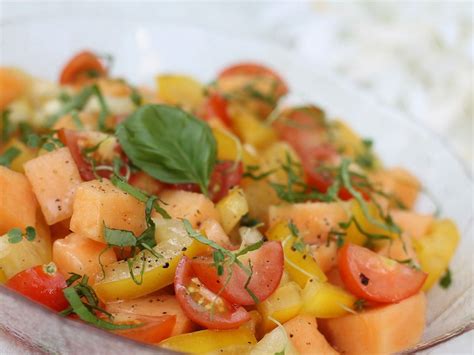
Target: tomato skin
[223,178]
[43,284]
[232,315]
[153,330]
[216,106]
[70,139]
[76,70]
[375,278]
[267,265]
[255,69]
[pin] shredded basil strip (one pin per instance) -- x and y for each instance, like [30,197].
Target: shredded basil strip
[87,316]
[9,155]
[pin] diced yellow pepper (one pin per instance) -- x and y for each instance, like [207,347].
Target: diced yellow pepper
[435,249]
[323,300]
[180,90]
[117,283]
[231,209]
[24,155]
[206,341]
[300,265]
[284,304]
[229,147]
[251,130]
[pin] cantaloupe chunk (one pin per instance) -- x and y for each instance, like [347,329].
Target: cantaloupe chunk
[194,207]
[88,120]
[213,231]
[325,255]
[399,183]
[80,255]
[17,201]
[415,224]
[155,305]
[314,220]
[13,84]
[98,203]
[400,248]
[54,178]
[303,333]
[386,329]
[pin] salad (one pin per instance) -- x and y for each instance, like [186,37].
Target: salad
[210,218]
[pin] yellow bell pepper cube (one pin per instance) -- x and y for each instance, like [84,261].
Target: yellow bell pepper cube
[323,300]
[24,155]
[232,208]
[180,90]
[435,249]
[284,304]
[251,130]
[206,341]
[158,272]
[300,265]
[229,147]
[3,277]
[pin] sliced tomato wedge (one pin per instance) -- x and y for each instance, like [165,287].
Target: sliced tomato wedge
[152,329]
[254,69]
[43,284]
[267,270]
[70,139]
[202,305]
[82,67]
[373,277]
[216,107]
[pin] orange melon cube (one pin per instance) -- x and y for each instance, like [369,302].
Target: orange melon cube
[17,201]
[382,330]
[414,224]
[80,255]
[98,203]
[54,178]
[314,220]
[303,333]
[194,207]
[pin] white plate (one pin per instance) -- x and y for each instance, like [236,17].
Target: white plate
[143,50]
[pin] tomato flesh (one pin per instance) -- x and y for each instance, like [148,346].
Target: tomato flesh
[82,67]
[152,331]
[267,265]
[376,278]
[43,284]
[202,305]
[216,107]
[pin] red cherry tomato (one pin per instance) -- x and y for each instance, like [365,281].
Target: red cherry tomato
[267,266]
[254,69]
[43,284]
[373,277]
[225,176]
[203,306]
[82,67]
[70,139]
[152,331]
[216,107]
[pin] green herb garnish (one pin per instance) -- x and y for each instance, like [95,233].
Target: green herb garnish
[446,280]
[15,235]
[9,155]
[7,127]
[169,144]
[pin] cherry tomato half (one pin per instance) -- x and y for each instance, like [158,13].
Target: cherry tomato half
[267,270]
[152,331]
[216,107]
[202,305]
[82,67]
[43,284]
[70,139]
[373,277]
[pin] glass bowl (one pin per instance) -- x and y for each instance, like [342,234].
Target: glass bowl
[143,49]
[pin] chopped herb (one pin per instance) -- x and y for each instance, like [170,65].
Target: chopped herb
[15,235]
[7,127]
[25,130]
[251,173]
[299,246]
[293,229]
[247,221]
[136,98]
[46,141]
[359,305]
[280,352]
[370,236]
[76,119]
[9,155]
[30,234]
[76,103]
[64,97]
[446,280]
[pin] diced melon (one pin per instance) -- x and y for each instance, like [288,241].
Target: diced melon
[194,207]
[399,183]
[260,196]
[325,255]
[303,333]
[381,330]
[155,305]
[80,255]
[213,231]
[26,254]
[314,219]
[400,248]
[98,203]
[13,84]
[415,224]
[17,201]
[54,178]
[88,121]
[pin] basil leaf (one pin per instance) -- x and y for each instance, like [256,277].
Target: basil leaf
[9,155]
[119,238]
[169,144]
[14,235]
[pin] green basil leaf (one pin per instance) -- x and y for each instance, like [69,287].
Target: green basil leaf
[9,155]
[14,235]
[119,238]
[30,233]
[169,144]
